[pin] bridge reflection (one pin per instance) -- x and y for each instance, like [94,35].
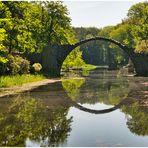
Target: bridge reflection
[42,115]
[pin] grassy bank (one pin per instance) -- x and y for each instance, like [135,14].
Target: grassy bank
[88,67]
[7,81]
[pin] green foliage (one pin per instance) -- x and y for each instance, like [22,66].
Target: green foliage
[137,119]
[106,31]
[7,81]
[82,33]
[104,90]
[122,33]
[36,67]
[74,59]
[3,65]
[29,118]
[138,13]
[2,38]
[115,55]
[58,22]
[87,68]
[30,26]
[142,46]
[92,52]
[72,87]
[134,29]
[100,52]
[17,65]
[3,59]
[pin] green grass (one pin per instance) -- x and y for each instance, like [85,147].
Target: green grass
[88,67]
[8,81]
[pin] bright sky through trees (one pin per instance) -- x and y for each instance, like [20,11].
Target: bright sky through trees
[98,13]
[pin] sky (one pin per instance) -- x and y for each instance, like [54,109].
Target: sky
[98,13]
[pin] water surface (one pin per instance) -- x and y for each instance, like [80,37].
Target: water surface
[78,111]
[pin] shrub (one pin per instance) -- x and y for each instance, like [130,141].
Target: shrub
[74,59]
[36,67]
[3,65]
[17,65]
[25,66]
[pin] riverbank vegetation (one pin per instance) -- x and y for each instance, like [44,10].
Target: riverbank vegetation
[29,27]
[8,81]
[132,31]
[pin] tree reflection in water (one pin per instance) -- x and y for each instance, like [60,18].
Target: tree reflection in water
[30,119]
[72,87]
[107,88]
[110,91]
[137,119]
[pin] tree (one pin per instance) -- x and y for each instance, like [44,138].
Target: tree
[90,49]
[57,23]
[28,27]
[135,26]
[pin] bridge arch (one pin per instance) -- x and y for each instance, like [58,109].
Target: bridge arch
[139,60]
[53,56]
[122,46]
[93,111]
[102,111]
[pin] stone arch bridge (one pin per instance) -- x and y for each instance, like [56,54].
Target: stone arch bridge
[52,57]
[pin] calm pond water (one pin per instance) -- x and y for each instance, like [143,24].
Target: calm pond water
[81,110]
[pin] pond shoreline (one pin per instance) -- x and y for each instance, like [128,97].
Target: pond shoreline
[139,91]
[14,90]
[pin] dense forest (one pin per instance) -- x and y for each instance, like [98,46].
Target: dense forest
[106,55]
[28,27]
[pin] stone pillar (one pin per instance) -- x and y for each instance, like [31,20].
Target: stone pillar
[140,62]
[49,61]
[53,58]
